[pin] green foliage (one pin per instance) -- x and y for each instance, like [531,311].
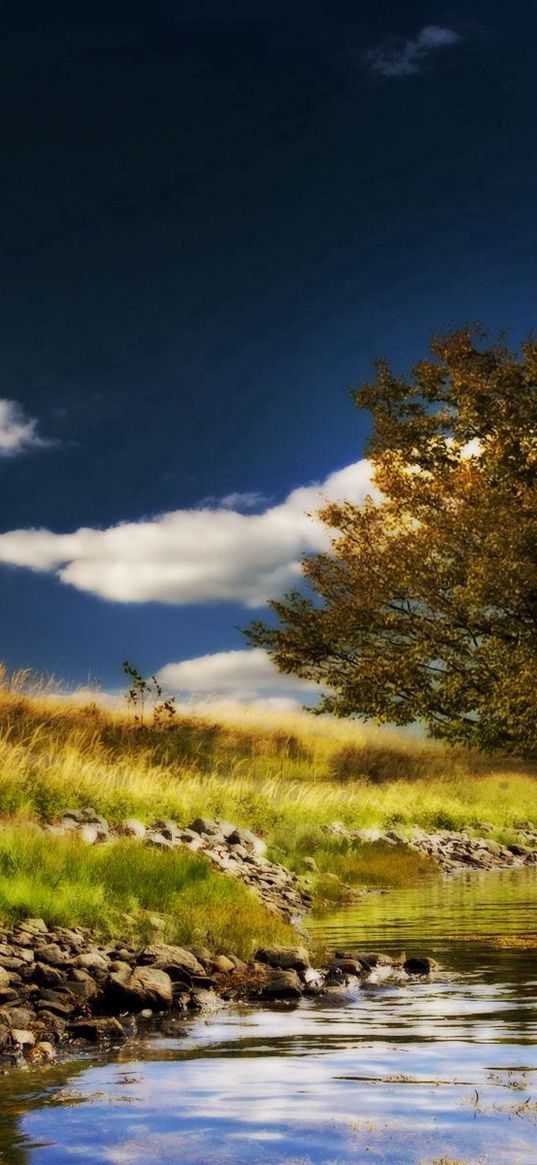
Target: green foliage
[426,607]
[141,690]
[128,890]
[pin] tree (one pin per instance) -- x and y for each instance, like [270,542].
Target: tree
[142,690]
[425,608]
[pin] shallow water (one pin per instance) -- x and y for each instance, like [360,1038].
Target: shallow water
[395,1073]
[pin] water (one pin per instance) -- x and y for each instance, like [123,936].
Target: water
[392,1073]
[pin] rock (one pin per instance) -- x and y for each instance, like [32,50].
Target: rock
[33,926]
[355,967]
[165,954]
[520,851]
[91,961]
[310,864]
[284,958]
[88,833]
[204,825]
[203,955]
[131,827]
[4,977]
[46,975]
[42,1053]
[158,840]
[94,1030]
[4,1036]
[419,966]
[22,1037]
[282,985]
[52,954]
[248,840]
[20,1017]
[222,963]
[147,985]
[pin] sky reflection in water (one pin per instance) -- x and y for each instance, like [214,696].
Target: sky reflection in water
[396,1074]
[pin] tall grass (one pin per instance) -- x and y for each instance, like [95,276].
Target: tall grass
[127,890]
[283,776]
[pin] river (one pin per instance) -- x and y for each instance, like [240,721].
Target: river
[392,1073]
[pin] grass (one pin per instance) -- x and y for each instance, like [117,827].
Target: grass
[127,890]
[284,776]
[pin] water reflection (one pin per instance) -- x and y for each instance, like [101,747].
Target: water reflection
[395,1074]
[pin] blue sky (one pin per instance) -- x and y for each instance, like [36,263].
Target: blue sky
[214,215]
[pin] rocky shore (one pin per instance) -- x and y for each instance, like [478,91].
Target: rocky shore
[453,850]
[230,848]
[60,987]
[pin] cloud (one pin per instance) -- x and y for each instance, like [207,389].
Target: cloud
[403,59]
[249,500]
[192,556]
[18,433]
[244,676]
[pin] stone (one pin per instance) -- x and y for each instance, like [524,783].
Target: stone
[222,963]
[174,956]
[22,1037]
[131,827]
[147,985]
[204,825]
[282,985]
[350,966]
[4,977]
[203,955]
[33,926]
[91,961]
[101,1028]
[419,966]
[20,1017]
[42,1053]
[88,833]
[52,954]
[46,976]
[284,958]
[310,864]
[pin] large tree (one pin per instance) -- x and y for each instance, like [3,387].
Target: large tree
[425,607]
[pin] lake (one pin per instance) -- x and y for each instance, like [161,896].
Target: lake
[398,1073]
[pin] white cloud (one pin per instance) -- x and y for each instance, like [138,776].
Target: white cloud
[247,675]
[192,556]
[402,59]
[17,432]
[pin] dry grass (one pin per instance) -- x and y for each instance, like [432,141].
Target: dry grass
[282,775]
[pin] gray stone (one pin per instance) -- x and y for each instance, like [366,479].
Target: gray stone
[168,954]
[148,985]
[131,827]
[284,958]
[102,1028]
[419,966]
[281,985]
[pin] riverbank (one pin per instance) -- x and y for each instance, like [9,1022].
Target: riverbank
[210,837]
[60,987]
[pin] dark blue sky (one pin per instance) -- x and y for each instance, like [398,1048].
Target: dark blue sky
[213,215]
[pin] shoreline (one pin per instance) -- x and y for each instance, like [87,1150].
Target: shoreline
[62,988]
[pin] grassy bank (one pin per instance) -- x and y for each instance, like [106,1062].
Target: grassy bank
[129,891]
[285,777]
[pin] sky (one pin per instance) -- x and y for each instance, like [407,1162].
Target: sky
[214,215]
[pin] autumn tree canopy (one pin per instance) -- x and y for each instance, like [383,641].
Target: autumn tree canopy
[425,609]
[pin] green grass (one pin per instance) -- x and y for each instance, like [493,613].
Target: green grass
[126,890]
[283,776]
